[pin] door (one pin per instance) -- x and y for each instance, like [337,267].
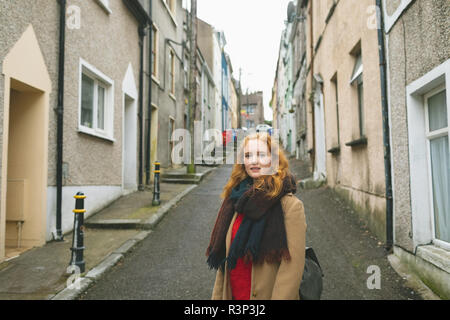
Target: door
[319,123]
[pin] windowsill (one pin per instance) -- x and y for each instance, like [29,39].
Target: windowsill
[335,150]
[94,133]
[155,79]
[436,256]
[362,141]
[105,7]
[170,14]
[172,96]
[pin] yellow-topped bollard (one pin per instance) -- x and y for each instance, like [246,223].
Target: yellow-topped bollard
[156,200]
[76,260]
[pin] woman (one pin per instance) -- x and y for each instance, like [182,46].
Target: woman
[258,241]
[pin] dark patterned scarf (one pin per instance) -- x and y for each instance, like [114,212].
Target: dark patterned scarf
[262,233]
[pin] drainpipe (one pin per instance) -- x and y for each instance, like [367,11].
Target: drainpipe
[313,124]
[60,117]
[141,31]
[149,117]
[386,130]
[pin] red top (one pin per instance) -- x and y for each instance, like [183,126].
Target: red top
[241,275]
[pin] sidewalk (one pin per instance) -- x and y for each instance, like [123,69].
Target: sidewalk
[40,273]
[347,249]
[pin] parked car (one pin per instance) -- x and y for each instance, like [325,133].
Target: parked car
[264,128]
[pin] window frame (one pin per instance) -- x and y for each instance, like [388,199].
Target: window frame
[186,72]
[99,79]
[442,132]
[250,107]
[171,9]
[171,125]
[155,51]
[357,81]
[172,72]
[336,94]
[421,210]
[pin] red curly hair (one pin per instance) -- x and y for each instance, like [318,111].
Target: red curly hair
[272,184]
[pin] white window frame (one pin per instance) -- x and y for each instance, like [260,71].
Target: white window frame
[419,160]
[155,40]
[106,82]
[172,73]
[186,72]
[435,134]
[172,13]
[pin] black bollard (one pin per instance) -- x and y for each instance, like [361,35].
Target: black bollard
[78,234]
[156,201]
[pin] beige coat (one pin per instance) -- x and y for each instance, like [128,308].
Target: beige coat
[280,281]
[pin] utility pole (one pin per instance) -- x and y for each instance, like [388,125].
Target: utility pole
[192,81]
[240,101]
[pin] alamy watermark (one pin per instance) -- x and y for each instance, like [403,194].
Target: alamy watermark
[74,281]
[73,18]
[212,146]
[374,17]
[374,280]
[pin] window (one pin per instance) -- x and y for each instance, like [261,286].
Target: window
[171,136]
[170,4]
[334,82]
[357,80]
[154,51]
[172,72]
[250,124]
[206,93]
[251,109]
[171,9]
[439,164]
[427,101]
[96,102]
[210,100]
[186,72]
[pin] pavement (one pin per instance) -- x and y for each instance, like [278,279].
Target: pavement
[41,272]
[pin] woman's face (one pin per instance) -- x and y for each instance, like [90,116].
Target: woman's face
[257,158]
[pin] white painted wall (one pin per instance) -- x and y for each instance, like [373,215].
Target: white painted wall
[129,125]
[97,198]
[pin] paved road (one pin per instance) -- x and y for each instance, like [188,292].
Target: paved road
[170,263]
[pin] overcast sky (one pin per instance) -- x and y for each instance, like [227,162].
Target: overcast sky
[252,30]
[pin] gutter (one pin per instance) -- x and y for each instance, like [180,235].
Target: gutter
[60,120]
[313,123]
[141,104]
[386,130]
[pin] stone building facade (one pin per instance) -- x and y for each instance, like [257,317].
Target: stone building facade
[99,86]
[252,110]
[417,46]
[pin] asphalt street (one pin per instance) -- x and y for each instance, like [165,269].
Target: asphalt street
[171,264]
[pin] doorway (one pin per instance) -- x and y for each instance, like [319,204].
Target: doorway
[129,144]
[320,165]
[26,172]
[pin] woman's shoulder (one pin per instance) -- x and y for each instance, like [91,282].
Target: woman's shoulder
[290,202]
